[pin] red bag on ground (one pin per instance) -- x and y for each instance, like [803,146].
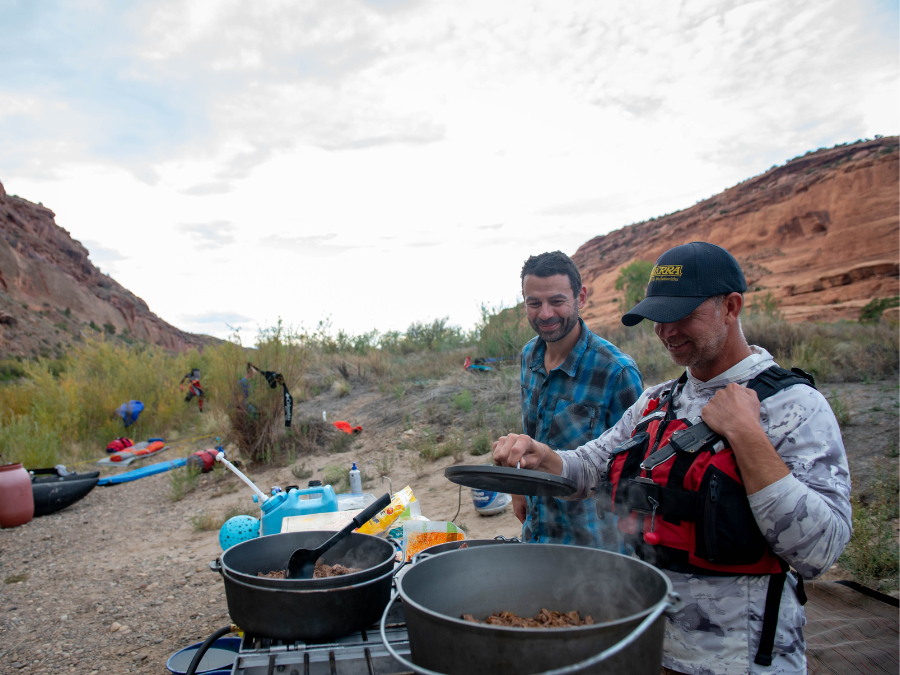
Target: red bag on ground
[119,445]
[203,459]
[346,428]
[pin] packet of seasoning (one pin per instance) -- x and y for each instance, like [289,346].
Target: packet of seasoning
[381,523]
[419,535]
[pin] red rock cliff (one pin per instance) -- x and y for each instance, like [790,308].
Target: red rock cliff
[50,292]
[820,233]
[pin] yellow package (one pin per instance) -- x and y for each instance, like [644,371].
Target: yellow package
[382,522]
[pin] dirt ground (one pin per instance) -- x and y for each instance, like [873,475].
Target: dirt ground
[126,557]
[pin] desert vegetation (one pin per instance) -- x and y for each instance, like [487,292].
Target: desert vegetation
[61,410]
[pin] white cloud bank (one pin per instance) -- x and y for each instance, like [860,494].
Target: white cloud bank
[386,162]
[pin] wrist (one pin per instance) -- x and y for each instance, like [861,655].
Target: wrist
[552,462]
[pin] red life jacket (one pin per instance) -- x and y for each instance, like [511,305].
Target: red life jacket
[119,444]
[677,489]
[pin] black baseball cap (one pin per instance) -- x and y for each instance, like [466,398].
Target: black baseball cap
[683,278]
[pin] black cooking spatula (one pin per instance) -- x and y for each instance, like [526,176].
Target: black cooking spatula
[302,564]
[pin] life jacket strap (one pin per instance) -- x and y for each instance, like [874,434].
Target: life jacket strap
[770,619]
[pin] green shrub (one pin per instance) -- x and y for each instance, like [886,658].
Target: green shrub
[300,472]
[871,557]
[463,401]
[840,406]
[502,331]
[25,440]
[482,443]
[337,476]
[633,280]
[873,310]
[183,481]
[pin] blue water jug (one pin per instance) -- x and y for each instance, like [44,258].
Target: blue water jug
[321,499]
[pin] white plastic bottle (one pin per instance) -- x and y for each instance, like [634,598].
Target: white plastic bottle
[355,481]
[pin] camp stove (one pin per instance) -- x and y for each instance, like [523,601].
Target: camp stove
[359,653]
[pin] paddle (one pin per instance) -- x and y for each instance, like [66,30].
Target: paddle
[303,561]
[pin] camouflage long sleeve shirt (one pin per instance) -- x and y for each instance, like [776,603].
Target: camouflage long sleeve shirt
[805,517]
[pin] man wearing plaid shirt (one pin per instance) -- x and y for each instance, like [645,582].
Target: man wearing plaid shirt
[575,385]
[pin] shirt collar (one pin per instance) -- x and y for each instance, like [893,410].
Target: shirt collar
[570,365]
[742,370]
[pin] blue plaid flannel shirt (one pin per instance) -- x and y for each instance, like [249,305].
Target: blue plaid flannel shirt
[573,404]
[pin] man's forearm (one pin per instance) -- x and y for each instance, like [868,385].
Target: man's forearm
[759,462]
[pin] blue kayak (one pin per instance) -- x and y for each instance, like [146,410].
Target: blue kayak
[143,472]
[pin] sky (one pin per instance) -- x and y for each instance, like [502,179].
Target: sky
[374,163]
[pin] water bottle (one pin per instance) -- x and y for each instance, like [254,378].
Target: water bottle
[355,481]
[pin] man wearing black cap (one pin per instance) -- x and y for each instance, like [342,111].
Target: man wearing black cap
[722,478]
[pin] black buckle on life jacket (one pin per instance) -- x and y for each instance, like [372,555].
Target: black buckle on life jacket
[664,454]
[648,418]
[638,438]
[640,492]
[694,438]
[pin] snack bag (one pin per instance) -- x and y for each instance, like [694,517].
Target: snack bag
[382,522]
[419,535]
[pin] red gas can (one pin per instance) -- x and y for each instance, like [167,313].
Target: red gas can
[16,498]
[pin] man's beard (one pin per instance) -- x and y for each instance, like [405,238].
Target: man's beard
[564,328]
[703,353]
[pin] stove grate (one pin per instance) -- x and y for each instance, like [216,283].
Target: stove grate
[359,653]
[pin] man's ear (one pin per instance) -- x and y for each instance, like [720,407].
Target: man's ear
[582,297]
[732,305]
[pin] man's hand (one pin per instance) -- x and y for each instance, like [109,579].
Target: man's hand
[520,507]
[526,453]
[734,413]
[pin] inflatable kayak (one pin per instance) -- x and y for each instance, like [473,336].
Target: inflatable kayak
[55,489]
[143,472]
[138,451]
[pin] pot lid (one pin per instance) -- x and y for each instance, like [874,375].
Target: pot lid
[510,480]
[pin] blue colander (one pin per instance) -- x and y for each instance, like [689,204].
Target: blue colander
[238,529]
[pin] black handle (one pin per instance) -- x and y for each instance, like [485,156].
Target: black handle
[216,565]
[372,510]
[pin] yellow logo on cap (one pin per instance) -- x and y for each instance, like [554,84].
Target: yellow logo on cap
[666,273]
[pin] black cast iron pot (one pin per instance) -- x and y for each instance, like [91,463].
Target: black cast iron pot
[305,614]
[625,597]
[372,555]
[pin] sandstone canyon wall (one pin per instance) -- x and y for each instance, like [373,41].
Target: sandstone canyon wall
[50,292]
[820,233]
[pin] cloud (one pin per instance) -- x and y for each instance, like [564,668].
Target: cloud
[317,245]
[217,323]
[495,226]
[203,189]
[216,318]
[587,206]
[214,235]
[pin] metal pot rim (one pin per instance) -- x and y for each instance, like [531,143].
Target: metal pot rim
[301,584]
[637,616]
[296,591]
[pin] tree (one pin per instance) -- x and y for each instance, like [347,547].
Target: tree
[633,279]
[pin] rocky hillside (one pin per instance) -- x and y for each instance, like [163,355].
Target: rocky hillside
[51,294]
[820,233]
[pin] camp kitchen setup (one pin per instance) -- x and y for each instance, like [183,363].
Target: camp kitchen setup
[325,584]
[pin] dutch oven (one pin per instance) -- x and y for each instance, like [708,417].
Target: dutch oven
[373,556]
[305,614]
[626,598]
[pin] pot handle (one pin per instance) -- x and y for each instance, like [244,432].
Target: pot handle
[216,565]
[565,670]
